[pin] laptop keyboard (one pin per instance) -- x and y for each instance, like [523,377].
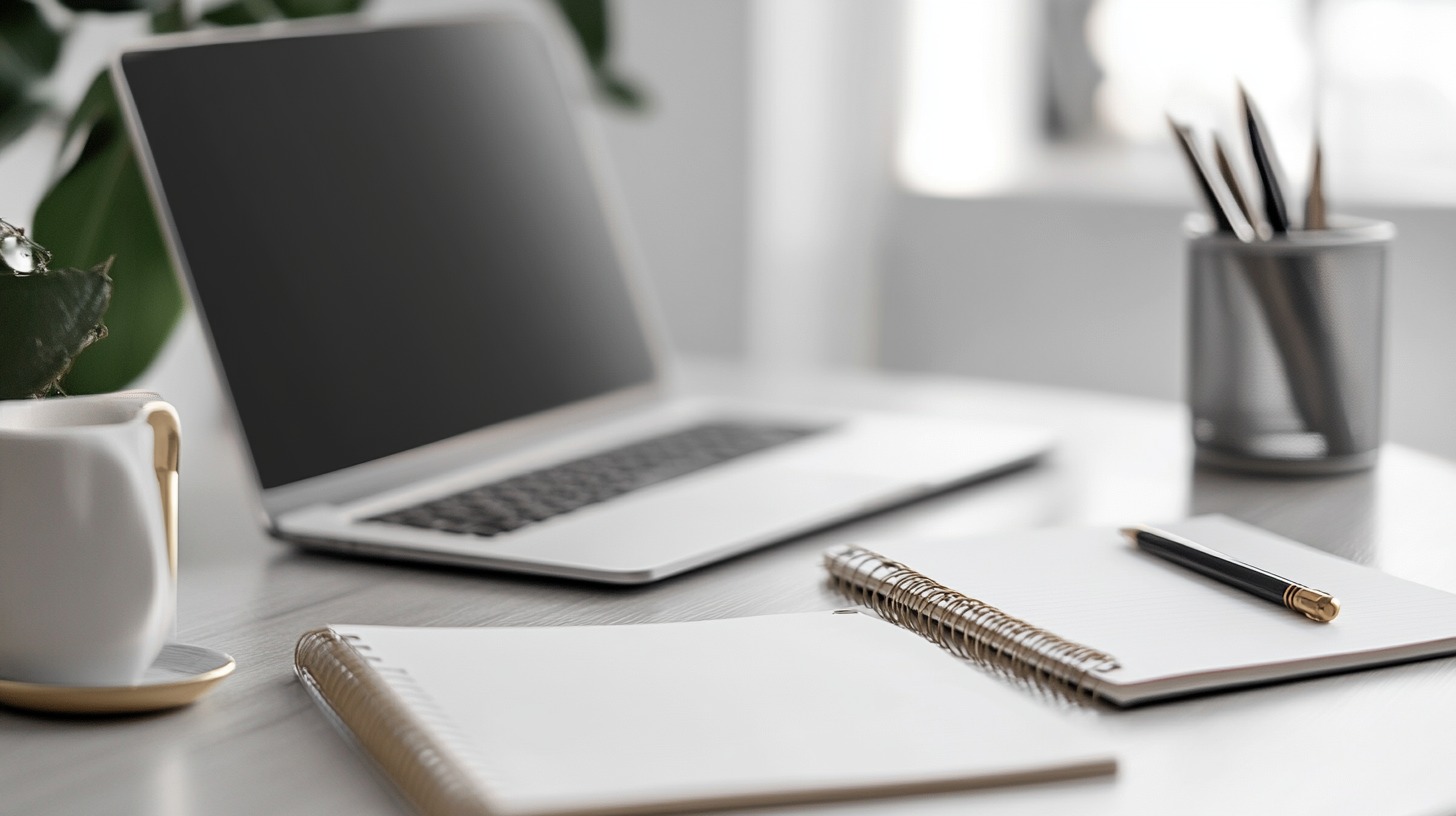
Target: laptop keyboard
[513,503]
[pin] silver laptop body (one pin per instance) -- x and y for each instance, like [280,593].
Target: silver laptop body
[365,400]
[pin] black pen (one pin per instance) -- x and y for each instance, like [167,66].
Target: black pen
[1312,603]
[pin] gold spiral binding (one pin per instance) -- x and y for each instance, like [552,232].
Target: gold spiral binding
[363,704]
[974,630]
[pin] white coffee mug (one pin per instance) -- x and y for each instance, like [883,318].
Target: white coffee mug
[88,547]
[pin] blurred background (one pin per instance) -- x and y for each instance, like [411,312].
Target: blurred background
[977,187]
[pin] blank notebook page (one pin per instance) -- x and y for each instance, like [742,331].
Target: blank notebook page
[1174,630]
[603,718]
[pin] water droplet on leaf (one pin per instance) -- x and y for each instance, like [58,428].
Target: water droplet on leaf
[17,255]
[22,255]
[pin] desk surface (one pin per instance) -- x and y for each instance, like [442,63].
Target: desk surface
[1374,741]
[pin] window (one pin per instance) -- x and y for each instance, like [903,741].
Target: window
[1002,93]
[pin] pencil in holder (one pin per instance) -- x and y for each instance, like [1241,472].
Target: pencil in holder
[1286,347]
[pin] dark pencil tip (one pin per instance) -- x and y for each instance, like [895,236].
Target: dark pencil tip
[1246,103]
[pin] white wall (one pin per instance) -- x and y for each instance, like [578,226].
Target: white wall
[822,122]
[683,167]
[1038,289]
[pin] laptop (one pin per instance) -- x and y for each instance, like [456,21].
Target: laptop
[438,346]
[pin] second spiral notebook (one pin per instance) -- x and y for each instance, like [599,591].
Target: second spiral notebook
[1082,608]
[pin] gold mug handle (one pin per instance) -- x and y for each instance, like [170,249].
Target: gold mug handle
[166,457]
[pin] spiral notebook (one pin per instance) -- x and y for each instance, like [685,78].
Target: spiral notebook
[1083,609]
[679,716]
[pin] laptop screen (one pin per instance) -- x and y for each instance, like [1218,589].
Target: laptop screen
[394,236]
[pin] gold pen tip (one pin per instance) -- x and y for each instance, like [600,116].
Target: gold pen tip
[1315,605]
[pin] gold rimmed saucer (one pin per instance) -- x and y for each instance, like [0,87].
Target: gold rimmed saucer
[180,675]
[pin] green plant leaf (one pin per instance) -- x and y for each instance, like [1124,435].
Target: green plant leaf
[16,117]
[317,8]
[591,23]
[588,20]
[46,319]
[170,16]
[29,48]
[623,93]
[242,12]
[97,104]
[247,12]
[105,5]
[100,208]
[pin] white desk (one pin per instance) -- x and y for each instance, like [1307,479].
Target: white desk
[1371,742]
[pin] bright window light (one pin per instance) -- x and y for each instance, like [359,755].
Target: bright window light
[969,102]
[1185,58]
[1376,79]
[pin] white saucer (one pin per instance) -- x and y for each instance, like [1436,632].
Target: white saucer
[180,675]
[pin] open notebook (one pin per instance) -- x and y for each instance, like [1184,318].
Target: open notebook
[667,717]
[1084,607]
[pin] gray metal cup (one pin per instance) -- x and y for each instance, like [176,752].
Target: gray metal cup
[1286,346]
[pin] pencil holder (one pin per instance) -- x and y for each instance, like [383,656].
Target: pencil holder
[1285,347]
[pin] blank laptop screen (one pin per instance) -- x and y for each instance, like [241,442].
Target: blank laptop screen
[394,236]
